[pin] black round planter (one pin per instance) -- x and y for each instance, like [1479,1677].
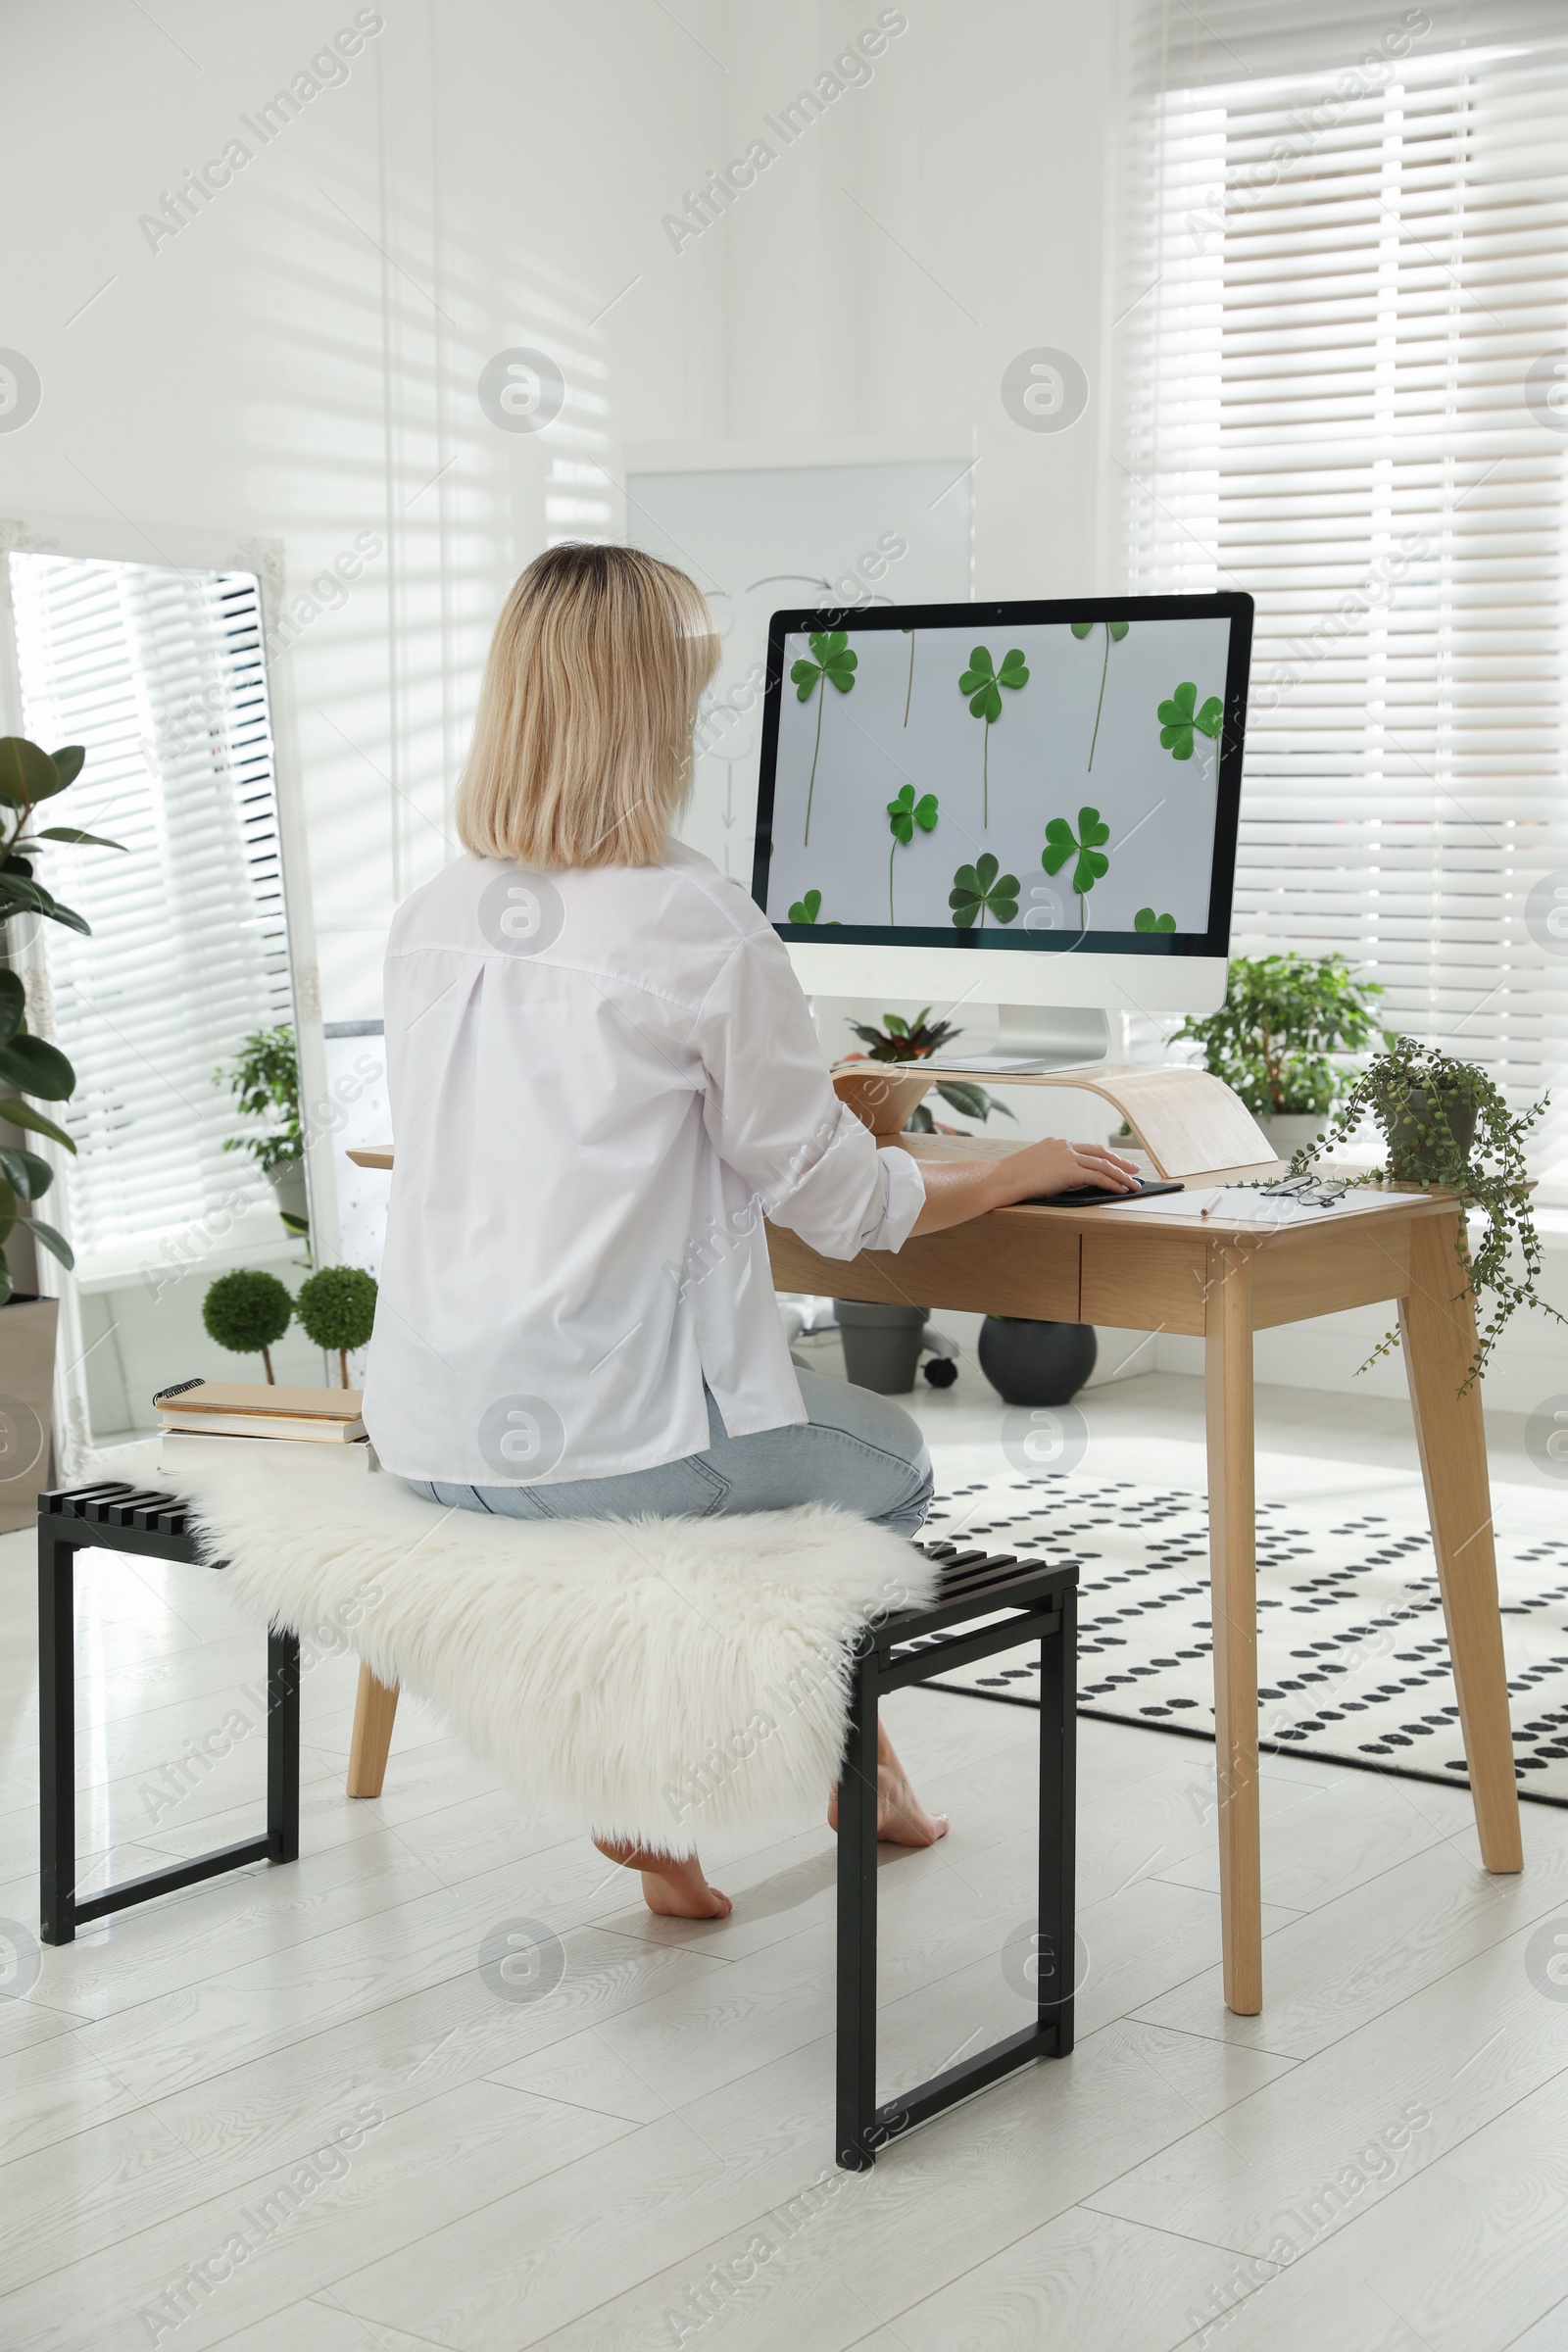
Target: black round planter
[1036,1363]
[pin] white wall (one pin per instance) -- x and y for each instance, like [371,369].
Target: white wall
[300,361]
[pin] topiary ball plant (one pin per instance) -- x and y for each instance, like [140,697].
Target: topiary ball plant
[336,1309]
[248,1313]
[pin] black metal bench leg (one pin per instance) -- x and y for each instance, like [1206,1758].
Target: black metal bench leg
[856,1923]
[57,1740]
[282,1746]
[1056,1941]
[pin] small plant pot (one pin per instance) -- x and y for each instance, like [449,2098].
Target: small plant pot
[1036,1363]
[881,1345]
[287,1181]
[1293,1131]
[883,1095]
[1413,1145]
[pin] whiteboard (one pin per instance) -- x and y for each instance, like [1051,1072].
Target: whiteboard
[758,539]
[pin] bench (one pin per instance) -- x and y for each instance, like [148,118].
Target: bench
[983,1603]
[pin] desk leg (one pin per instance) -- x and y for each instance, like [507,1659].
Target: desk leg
[1438,1325]
[376,1707]
[1233,1578]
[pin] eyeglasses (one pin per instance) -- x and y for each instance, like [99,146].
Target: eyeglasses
[1307,1192]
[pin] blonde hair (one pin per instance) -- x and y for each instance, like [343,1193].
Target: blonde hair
[583,742]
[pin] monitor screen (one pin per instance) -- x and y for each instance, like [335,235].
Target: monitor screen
[1060,776]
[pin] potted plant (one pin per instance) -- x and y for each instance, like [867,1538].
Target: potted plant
[265,1081]
[1274,1039]
[248,1313]
[900,1040]
[1446,1124]
[336,1309]
[30,1068]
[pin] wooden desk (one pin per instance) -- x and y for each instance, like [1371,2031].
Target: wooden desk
[1220,1282]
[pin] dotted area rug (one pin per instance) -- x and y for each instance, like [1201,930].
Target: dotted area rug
[1352,1656]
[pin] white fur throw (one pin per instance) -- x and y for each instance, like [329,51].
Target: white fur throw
[664,1679]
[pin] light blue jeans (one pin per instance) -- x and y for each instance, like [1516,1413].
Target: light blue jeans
[856,1449]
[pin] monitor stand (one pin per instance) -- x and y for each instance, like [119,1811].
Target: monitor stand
[1044,1037]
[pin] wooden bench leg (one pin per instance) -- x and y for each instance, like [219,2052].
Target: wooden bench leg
[1438,1325]
[376,1707]
[1233,1578]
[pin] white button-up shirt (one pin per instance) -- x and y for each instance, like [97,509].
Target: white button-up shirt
[601,1082]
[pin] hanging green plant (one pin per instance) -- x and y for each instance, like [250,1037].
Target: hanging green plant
[910,689]
[905,814]
[1146,919]
[835,661]
[807,909]
[981,683]
[1087,846]
[980,889]
[1115,632]
[1179,717]
[1447,1124]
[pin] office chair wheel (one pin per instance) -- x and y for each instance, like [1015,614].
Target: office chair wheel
[941,1371]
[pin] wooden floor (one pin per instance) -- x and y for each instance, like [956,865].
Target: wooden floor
[286,2112]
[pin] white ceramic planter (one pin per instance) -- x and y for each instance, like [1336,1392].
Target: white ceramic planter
[1292,1131]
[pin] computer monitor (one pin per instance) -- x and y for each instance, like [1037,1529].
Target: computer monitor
[1031,805]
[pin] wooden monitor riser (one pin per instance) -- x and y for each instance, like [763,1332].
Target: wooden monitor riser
[1187,1121]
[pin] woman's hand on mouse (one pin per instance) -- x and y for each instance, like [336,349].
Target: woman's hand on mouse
[957,1190]
[1058,1166]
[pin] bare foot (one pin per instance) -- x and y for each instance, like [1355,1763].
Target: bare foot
[901,1818]
[675,1889]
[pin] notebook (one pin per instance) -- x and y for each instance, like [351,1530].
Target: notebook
[236,1409]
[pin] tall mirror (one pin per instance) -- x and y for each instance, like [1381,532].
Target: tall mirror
[176,1008]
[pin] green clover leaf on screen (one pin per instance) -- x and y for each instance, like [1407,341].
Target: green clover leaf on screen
[1086,845]
[1146,919]
[981,682]
[905,812]
[979,888]
[1115,632]
[832,659]
[807,909]
[1178,717]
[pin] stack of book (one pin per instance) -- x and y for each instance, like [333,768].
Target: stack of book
[199,1414]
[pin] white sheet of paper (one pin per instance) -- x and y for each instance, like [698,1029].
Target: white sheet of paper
[1240,1204]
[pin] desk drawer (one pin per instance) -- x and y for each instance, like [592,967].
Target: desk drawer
[1138,1279]
[977,1268]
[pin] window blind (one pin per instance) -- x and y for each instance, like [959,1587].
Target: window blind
[1345,263]
[159,674]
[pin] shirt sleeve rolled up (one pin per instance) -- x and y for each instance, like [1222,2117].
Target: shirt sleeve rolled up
[773,1118]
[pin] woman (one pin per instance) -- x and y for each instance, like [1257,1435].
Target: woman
[604,1075]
